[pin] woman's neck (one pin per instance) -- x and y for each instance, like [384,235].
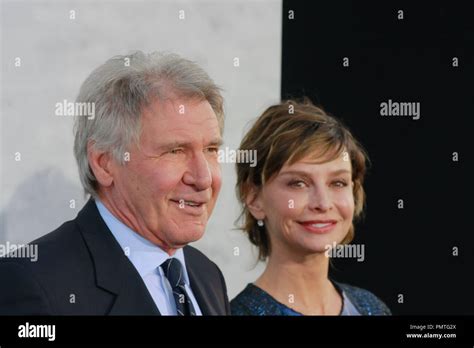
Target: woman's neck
[301,282]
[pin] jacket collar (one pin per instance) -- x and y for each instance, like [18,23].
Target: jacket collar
[113,271]
[198,286]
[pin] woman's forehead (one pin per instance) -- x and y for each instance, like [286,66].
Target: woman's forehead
[340,163]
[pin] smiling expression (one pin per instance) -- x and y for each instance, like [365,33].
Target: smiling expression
[169,187]
[308,205]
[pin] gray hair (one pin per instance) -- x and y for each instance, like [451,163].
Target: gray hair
[119,90]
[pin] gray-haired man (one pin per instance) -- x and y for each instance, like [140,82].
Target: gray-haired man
[148,158]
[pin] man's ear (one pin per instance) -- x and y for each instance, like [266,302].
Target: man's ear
[254,203]
[100,163]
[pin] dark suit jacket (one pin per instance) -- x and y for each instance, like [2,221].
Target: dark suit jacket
[82,270]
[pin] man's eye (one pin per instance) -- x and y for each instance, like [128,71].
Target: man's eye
[176,151]
[213,149]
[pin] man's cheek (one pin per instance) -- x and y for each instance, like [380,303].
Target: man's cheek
[217,185]
[165,178]
[216,174]
[127,181]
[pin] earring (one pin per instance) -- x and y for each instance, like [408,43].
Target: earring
[260,223]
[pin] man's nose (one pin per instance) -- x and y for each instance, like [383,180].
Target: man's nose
[198,173]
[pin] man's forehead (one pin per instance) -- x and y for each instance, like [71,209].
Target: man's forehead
[180,115]
[177,104]
[182,133]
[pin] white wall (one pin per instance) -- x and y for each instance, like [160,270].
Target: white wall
[57,53]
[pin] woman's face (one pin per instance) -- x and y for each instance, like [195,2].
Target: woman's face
[308,206]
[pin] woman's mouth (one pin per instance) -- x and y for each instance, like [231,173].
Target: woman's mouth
[318,226]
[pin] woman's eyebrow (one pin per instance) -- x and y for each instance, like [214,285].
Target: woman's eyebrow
[341,171]
[295,172]
[308,174]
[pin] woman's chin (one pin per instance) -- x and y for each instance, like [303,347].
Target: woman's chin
[319,245]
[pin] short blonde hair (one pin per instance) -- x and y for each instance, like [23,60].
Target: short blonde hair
[284,134]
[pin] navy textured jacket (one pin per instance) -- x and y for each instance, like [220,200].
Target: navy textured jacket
[254,301]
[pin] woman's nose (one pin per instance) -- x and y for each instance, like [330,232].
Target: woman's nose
[319,199]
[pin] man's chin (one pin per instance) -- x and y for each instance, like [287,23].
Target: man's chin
[188,236]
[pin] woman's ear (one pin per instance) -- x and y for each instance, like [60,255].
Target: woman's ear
[254,203]
[100,163]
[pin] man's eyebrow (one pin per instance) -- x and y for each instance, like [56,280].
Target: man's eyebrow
[185,144]
[216,142]
[173,145]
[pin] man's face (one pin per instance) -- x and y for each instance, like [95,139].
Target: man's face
[169,187]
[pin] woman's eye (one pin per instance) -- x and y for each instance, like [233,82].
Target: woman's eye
[340,183]
[297,183]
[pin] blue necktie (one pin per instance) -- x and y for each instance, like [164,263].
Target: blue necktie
[173,270]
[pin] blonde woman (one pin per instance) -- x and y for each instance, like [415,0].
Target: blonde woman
[301,197]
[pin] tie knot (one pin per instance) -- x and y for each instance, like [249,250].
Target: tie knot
[173,270]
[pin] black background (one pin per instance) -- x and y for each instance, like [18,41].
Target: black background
[407,251]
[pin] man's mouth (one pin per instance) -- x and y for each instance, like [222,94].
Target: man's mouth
[189,203]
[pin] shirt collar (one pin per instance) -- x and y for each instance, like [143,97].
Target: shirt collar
[143,254]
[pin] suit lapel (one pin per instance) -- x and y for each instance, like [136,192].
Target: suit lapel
[114,272]
[201,290]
